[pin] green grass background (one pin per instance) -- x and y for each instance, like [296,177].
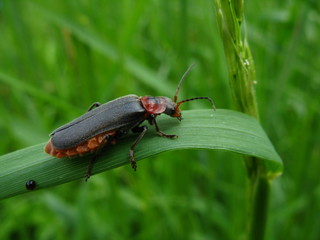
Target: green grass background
[57,57]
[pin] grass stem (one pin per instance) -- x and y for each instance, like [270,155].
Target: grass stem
[242,79]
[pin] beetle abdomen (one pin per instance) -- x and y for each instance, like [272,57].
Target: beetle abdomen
[88,146]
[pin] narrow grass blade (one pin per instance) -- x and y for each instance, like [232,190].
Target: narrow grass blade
[92,39]
[200,129]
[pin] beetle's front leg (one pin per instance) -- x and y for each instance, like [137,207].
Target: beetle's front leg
[162,134]
[143,130]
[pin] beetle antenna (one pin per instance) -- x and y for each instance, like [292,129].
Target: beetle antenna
[196,98]
[175,98]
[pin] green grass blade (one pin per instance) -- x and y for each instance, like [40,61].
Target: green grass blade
[92,39]
[21,86]
[200,129]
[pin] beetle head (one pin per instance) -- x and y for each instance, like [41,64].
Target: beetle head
[158,105]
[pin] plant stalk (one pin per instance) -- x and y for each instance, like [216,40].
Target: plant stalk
[242,80]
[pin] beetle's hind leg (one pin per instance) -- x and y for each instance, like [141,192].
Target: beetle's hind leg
[90,166]
[94,105]
[142,130]
[93,160]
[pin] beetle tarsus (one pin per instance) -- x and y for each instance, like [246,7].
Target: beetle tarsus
[94,105]
[132,160]
[87,176]
[162,134]
[90,166]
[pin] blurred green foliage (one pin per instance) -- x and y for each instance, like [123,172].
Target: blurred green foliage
[57,57]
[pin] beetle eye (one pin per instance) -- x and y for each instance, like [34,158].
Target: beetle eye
[176,113]
[172,112]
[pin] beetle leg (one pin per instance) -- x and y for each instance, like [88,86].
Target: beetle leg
[90,166]
[143,130]
[93,105]
[138,129]
[94,158]
[162,134]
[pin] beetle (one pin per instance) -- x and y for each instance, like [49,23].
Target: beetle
[106,123]
[31,185]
